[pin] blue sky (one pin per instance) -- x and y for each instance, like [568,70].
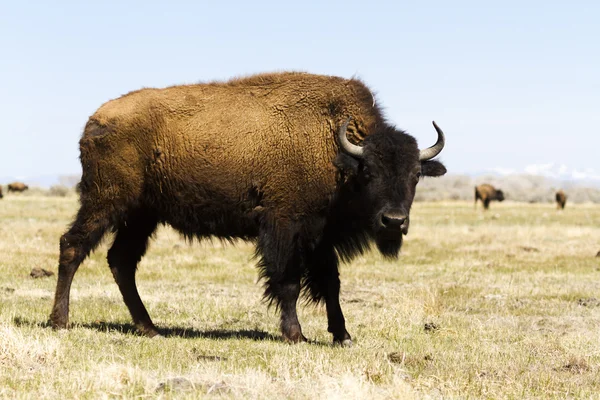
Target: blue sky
[515,85]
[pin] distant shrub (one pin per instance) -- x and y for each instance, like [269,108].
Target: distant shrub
[60,191]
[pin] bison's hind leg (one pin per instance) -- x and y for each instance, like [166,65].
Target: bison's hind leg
[126,251]
[76,244]
[279,248]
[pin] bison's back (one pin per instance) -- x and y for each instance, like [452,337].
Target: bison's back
[485,188]
[266,141]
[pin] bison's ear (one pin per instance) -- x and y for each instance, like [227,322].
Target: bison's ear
[346,163]
[432,168]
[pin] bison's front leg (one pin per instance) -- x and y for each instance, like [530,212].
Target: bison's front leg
[323,283]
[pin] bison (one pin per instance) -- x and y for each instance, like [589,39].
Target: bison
[272,159]
[17,187]
[1,195]
[487,193]
[561,200]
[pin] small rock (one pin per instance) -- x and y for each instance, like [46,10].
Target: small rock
[576,366]
[430,327]
[175,384]
[397,357]
[529,249]
[355,300]
[589,302]
[40,273]
[185,385]
[203,357]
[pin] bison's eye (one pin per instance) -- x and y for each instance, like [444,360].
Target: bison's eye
[417,177]
[366,173]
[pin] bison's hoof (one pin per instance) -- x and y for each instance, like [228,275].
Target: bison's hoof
[343,343]
[57,323]
[149,331]
[295,339]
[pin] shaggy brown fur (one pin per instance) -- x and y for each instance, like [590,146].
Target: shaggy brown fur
[17,187]
[251,158]
[561,200]
[487,193]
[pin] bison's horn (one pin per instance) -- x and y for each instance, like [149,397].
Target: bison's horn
[345,144]
[434,150]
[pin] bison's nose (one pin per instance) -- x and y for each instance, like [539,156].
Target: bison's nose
[393,221]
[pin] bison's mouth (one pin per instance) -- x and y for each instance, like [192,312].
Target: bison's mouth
[389,242]
[392,233]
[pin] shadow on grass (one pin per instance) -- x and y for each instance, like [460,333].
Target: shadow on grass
[129,329]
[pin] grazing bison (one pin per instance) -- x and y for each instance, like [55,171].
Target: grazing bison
[17,187]
[561,200]
[487,193]
[269,158]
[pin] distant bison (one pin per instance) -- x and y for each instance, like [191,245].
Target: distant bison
[561,200]
[17,187]
[1,196]
[487,193]
[274,159]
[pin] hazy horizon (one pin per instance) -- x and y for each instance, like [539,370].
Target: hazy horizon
[515,86]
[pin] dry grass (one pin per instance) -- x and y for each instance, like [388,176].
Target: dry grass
[501,305]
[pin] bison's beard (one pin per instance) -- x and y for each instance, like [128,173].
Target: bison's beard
[389,245]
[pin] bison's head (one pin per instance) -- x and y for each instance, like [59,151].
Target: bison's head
[499,195]
[385,171]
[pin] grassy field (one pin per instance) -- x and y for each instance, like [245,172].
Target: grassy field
[497,305]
